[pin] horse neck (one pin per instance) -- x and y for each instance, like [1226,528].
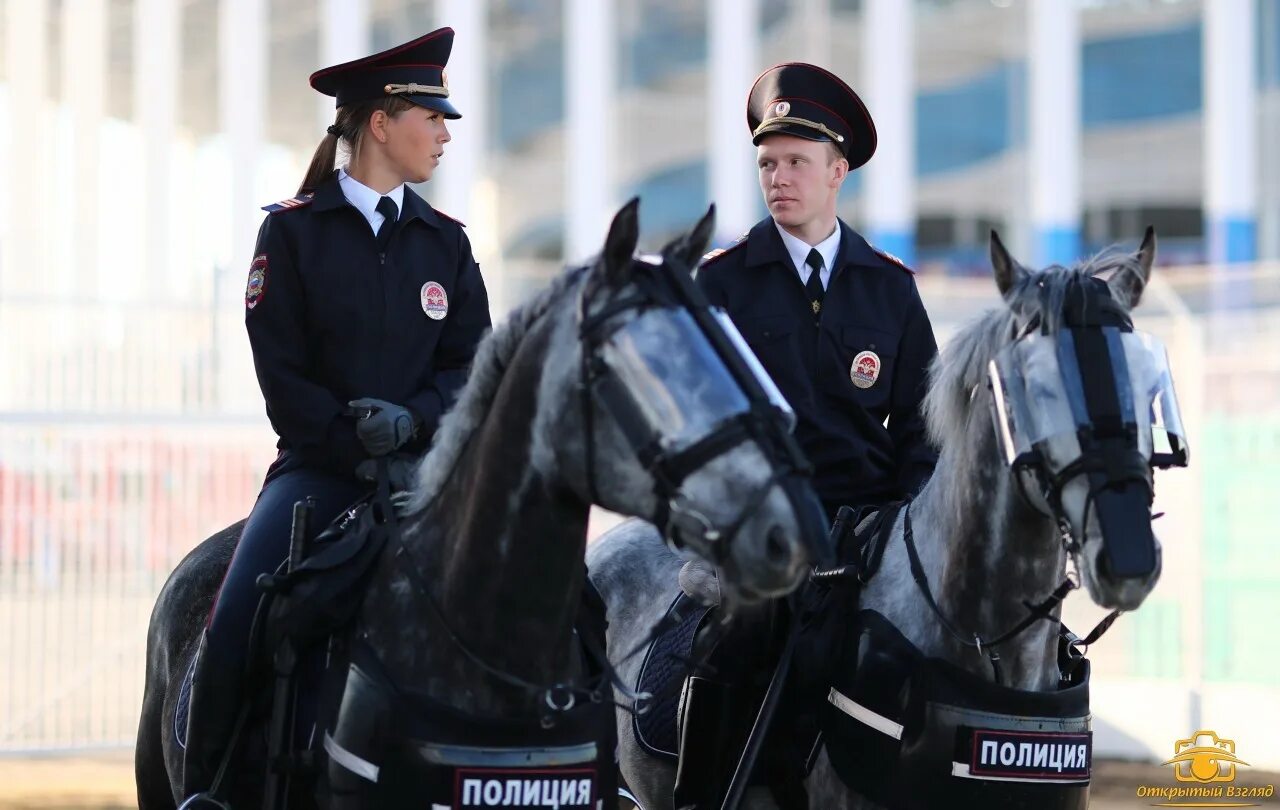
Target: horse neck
[501,550]
[986,552]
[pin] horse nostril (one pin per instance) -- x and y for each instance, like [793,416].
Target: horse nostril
[778,546]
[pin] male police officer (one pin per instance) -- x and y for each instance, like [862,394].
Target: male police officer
[838,324]
[841,329]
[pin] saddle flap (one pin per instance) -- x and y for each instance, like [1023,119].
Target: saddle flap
[322,595]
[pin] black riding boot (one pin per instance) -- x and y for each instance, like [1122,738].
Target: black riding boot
[211,718]
[715,720]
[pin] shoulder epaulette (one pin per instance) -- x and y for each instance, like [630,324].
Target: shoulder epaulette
[451,219]
[892,259]
[712,255]
[292,202]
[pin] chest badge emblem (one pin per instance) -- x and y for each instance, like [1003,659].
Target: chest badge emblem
[435,302]
[865,369]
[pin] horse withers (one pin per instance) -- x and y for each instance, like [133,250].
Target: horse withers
[935,667]
[463,675]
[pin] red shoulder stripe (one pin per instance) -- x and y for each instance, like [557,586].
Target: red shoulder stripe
[892,259]
[451,219]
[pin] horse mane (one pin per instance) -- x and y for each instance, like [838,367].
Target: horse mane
[958,393]
[492,357]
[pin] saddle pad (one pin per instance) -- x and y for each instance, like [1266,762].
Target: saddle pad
[662,675]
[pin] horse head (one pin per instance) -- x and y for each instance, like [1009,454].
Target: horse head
[1084,411]
[664,414]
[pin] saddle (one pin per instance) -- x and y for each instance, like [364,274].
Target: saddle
[377,743]
[712,704]
[321,595]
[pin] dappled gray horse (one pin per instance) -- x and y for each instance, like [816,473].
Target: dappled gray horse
[1066,474]
[474,609]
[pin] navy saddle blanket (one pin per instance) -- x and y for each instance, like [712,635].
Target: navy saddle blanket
[662,675]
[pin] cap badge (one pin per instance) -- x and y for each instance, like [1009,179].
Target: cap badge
[435,302]
[781,108]
[865,369]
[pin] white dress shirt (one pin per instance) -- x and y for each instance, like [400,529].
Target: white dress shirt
[366,199]
[799,249]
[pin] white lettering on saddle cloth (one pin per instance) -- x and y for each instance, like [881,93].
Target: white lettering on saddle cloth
[525,788]
[1028,756]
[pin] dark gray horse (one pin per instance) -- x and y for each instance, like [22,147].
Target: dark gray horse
[497,521]
[988,543]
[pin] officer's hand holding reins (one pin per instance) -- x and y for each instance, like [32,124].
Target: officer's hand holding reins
[383,426]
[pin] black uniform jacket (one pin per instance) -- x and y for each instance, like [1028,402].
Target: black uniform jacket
[335,320]
[867,444]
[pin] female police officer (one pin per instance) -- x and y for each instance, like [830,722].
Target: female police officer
[359,294]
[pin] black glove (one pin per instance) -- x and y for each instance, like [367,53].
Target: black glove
[385,428]
[399,472]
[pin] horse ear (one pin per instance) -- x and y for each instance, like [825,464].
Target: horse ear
[620,244]
[686,251]
[1129,282]
[1006,269]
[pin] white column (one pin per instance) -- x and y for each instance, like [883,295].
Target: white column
[242,108]
[344,36]
[733,31]
[465,155]
[84,68]
[815,22]
[242,85]
[157,71]
[1230,134]
[21,265]
[588,147]
[1053,149]
[888,50]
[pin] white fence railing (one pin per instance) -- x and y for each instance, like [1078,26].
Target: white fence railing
[118,453]
[92,519]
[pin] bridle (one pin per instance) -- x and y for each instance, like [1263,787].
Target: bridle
[1109,459]
[656,286]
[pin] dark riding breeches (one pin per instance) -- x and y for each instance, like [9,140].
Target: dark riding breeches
[263,545]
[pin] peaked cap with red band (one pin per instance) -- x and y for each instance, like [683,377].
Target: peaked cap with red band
[413,71]
[806,101]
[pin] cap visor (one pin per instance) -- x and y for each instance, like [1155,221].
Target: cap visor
[437,103]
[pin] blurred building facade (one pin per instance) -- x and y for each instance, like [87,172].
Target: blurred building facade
[141,137]
[1067,124]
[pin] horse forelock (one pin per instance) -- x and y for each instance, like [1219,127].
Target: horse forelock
[493,356]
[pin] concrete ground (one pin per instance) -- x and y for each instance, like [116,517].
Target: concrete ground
[104,781]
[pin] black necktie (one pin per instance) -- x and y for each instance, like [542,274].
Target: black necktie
[386,207]
[814,285]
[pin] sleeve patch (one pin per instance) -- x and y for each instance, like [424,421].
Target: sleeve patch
[257,285]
